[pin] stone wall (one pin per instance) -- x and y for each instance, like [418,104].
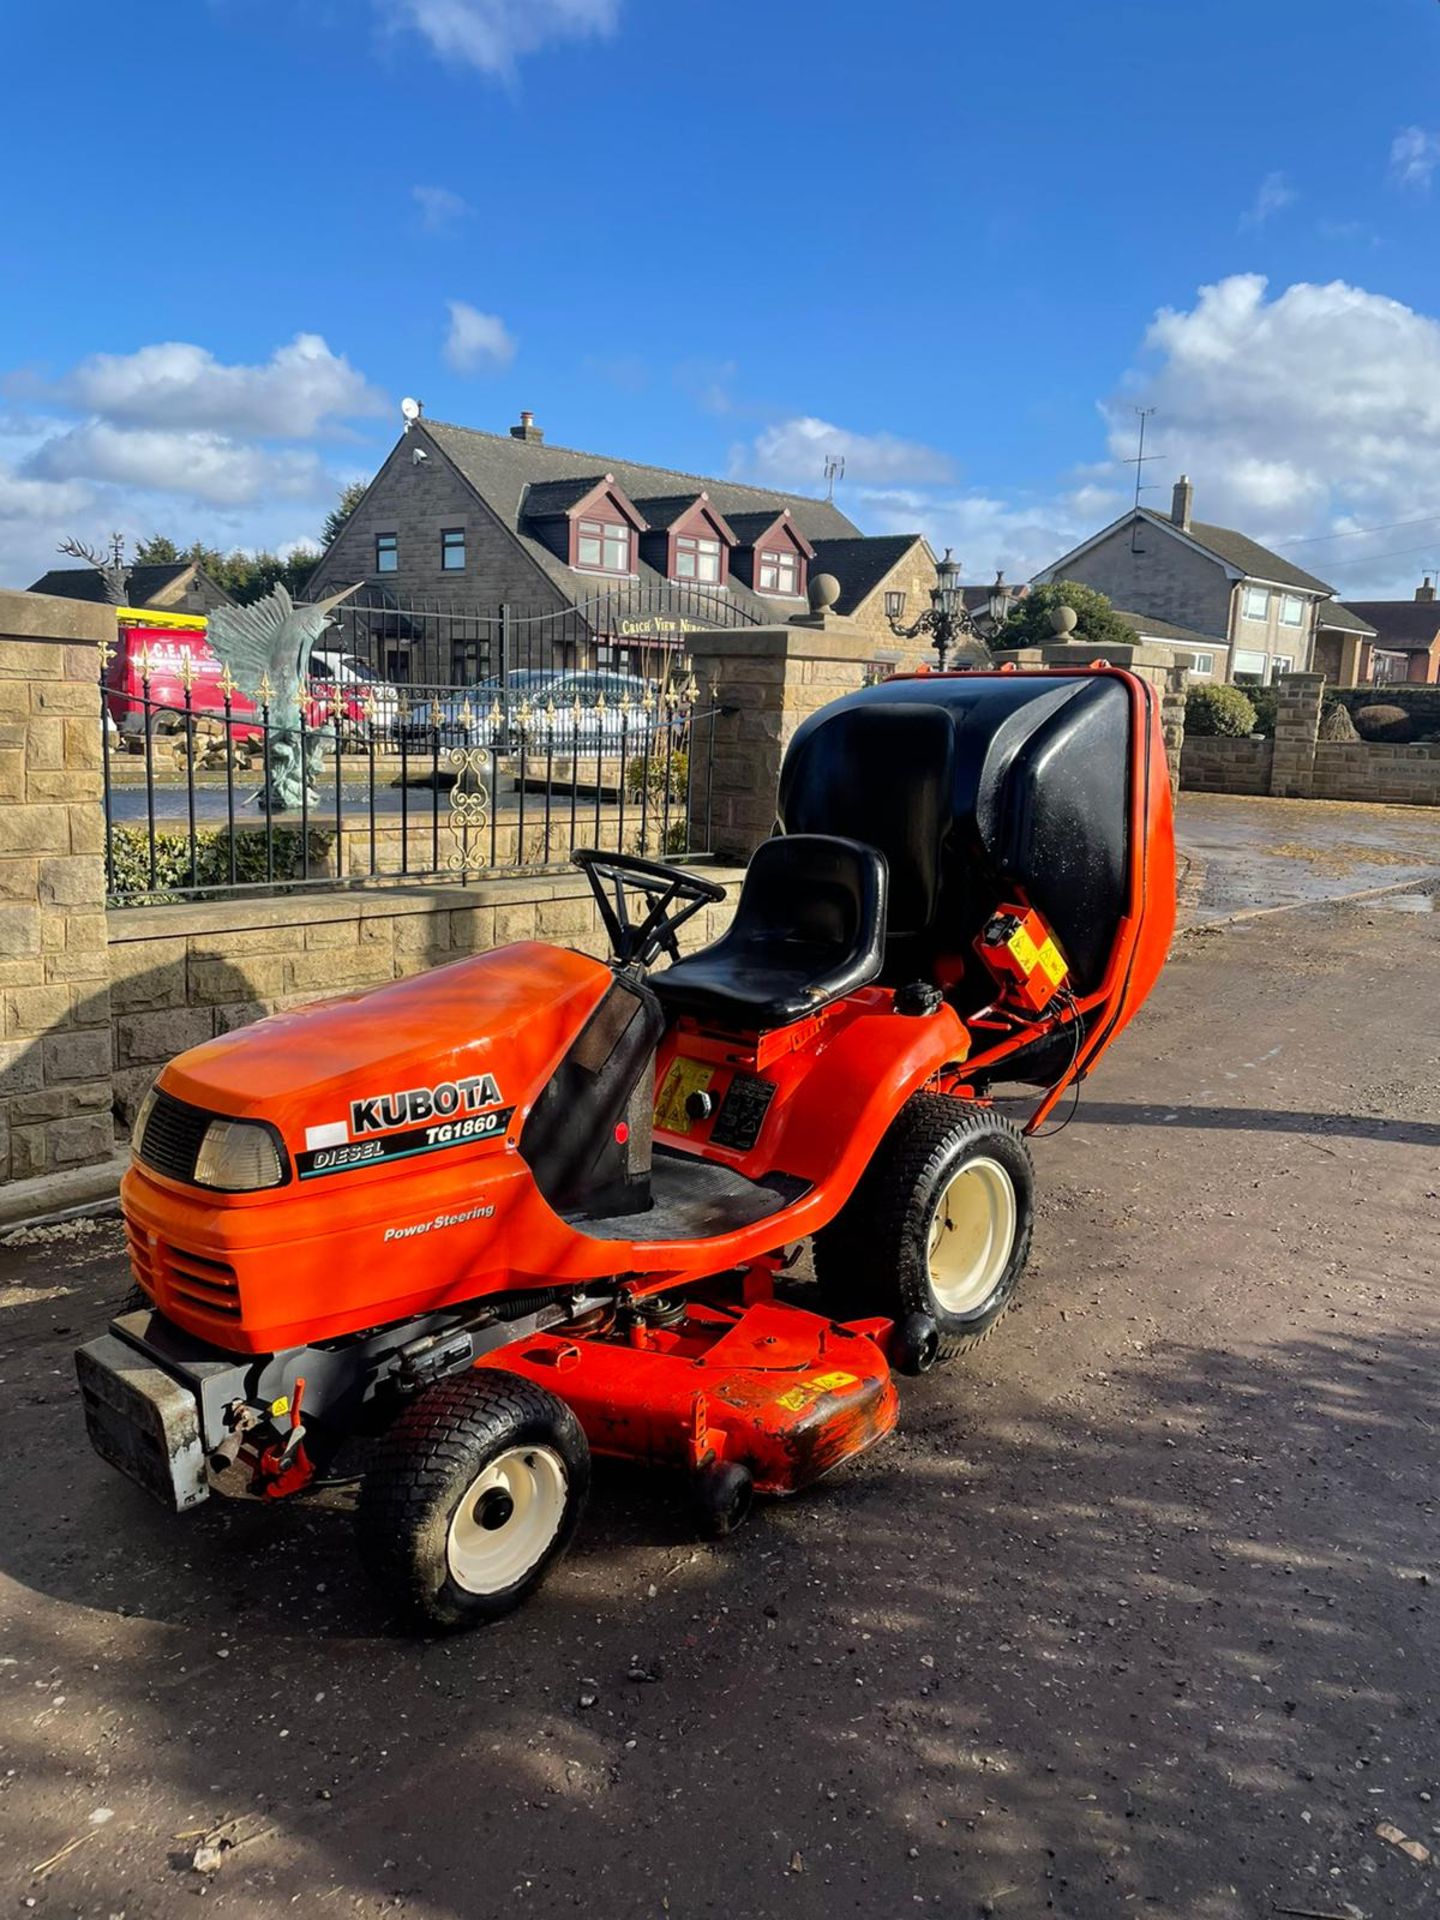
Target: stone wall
[1214,765]
[54,970]
[1298,765]
[183,974]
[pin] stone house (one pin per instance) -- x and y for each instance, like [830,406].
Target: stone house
[462,521]
[1406,639]
[1255,610]
[177,586]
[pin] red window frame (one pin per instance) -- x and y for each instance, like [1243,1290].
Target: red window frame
[694,548]
[778,572]
[614,541]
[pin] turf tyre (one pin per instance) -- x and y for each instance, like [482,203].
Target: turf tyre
[875,1257]
[412,1515]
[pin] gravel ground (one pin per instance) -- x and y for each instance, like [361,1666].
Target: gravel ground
[1137,1613]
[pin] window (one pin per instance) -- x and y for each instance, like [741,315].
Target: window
[387,552]
[1247,668]
[1281,663]
[452,549]
[1292,610]
[603,547]
[1202,665]
[1255,603]
[696,559]
[780,573]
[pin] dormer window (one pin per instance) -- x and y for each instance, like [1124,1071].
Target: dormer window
[602,546]
[778,573]
[697,559]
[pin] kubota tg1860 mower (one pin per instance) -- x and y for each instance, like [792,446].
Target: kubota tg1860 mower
[531,1206]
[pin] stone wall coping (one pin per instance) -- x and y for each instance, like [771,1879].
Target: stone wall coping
[317,909]
[46,616]
[781,643]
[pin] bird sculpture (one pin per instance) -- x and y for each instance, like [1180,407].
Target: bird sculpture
[267,648]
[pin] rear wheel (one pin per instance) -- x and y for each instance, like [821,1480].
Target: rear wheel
[938,1226]
[474,1494]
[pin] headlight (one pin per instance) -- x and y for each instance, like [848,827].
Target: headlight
[142,1120]
[238,1156]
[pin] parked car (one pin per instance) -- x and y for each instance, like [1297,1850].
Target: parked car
[587,712]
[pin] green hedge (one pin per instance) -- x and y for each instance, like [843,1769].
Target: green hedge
[1422,703]
[1213,709]
[130,859]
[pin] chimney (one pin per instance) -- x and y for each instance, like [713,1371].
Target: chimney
[1181,501]
[527,430]
[1427,592]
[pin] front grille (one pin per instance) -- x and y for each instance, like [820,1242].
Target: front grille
[200,1282]
[172,1137]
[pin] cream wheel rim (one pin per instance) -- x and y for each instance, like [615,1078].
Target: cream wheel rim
[507,1519]
[972,1235]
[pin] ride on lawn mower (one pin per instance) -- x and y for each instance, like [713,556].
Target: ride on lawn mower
[531,1206]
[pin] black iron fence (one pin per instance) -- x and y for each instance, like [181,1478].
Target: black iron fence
[208,792]
[637,630]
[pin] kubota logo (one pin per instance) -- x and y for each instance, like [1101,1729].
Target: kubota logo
[414,1104]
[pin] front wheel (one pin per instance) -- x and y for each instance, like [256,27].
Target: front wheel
[939,1224]
[475,1493]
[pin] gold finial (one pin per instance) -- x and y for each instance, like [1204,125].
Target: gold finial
[402,706]
[648,703]
[436,716]
[265,690]
[523,716]
[106,647]
[227,683]
[187,670]
[467,713]
[367,704]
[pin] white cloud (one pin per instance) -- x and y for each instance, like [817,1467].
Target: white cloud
[792,453]
[170,438]
[1298,415]
[300,389]
[493,34]
[1414,156]
[477,342]
[208,467]
[1272,196]
[440,209]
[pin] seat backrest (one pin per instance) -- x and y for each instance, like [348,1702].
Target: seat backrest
[881,774]
[812,890]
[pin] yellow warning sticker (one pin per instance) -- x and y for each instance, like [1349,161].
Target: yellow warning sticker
[796,1399]
[1023,948]
[684,1078]
[1051,963]
[282,1405]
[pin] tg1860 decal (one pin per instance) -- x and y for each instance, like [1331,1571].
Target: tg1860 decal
[465,1131]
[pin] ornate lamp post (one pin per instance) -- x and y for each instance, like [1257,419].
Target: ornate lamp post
[947,619]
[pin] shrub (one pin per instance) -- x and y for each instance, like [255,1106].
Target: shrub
[651,773]
[1381,722]
[1336,726]
[1264,700]
[1219,710]
[130,857]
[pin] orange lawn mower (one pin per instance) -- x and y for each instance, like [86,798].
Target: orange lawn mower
[532,1206]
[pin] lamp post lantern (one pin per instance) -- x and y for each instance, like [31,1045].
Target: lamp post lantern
[947,619]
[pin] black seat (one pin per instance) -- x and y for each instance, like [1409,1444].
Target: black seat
[809,927]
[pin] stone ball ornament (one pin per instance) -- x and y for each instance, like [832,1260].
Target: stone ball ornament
[1062,621]
[824,592]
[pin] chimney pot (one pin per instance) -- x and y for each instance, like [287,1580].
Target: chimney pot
[527,429]
[1427,591]
[1181,501]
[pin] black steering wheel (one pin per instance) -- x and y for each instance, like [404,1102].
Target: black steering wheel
[671,897]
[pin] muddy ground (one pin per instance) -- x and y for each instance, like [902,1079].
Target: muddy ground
[1140,1612]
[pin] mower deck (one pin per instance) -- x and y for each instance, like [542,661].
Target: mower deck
[773,1388]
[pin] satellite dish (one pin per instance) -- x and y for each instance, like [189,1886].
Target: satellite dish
[412,409]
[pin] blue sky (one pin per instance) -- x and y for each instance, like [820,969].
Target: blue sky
[958,244]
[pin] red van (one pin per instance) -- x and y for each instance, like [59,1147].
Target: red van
[161,642]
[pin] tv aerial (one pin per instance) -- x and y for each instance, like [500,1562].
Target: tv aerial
[834,470]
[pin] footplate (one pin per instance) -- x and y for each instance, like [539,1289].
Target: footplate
[143,1421]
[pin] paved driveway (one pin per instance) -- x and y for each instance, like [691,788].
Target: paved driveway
[1260,852]
[1137,1615]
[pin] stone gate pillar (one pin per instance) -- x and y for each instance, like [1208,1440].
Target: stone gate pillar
[765,681]
[56,1083]
[1297,730]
